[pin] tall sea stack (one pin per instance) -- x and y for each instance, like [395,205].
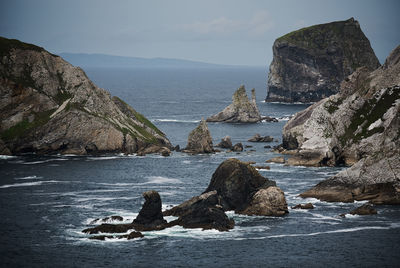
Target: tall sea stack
[309,64]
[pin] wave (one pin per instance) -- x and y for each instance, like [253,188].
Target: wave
[175,121]
[34,177]
[7,156]
[161,180]
[24,184]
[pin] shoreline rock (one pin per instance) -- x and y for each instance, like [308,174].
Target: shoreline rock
[241,110]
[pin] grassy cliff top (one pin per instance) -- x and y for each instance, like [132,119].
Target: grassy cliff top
[7,44]
[316,34]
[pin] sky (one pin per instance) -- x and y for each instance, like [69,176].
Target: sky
[215,31]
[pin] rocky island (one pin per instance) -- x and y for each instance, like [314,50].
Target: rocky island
[49,106]
[241,110]
[358,127]
[309,64]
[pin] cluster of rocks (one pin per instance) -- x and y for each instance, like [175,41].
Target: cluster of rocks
[258,138]
[235,185]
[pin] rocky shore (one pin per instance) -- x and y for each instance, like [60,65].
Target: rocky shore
[358,127]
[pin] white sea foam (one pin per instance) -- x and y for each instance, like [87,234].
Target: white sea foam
[25,184]
[186,162]
[162,180]
[176,121]
[44,161]
[34,177]
[7,156]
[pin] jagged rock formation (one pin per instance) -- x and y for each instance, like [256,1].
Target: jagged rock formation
[241,110]
[226,143]
[150,215]
[309,64]
[49,106]
[243,189]
[358,127]
[199,140]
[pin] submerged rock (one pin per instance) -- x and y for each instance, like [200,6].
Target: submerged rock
[240,111]
[258,138]
[365,209]
[48,106]
[309,64]
[199,140]
[303,206]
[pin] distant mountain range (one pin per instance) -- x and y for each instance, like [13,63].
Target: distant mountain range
[109,61]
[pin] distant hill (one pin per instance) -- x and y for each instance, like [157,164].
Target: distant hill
[109,61]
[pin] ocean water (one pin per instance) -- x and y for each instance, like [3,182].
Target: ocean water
[46,201]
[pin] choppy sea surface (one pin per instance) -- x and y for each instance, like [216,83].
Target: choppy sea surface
[46,201]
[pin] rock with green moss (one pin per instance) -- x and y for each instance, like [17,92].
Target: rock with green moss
[358,127]
[49,106]
[241,110]
[199,140]
[309,64]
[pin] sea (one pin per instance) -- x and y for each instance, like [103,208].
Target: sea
[46,201]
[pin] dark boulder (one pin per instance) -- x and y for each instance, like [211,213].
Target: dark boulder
[365,209]
[238,184]
[150,216]
[109,228]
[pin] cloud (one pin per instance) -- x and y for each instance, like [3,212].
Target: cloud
[256,26]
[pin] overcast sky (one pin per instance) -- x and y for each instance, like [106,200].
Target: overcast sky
[226,32]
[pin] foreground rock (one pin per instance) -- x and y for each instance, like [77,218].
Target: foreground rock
[240,111]
[258,138]
[357,127]
[199,140]
[242,189]
[309,64]
[49,106]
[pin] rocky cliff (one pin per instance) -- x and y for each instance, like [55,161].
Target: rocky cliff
[49,106]
[241,110]
[358,127]
[309,64]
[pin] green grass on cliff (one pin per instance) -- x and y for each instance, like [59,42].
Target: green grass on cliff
[371,111]
[25,127]
[7,44]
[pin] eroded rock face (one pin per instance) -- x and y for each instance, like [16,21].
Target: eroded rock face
[240,111]
[200,140]
[49,106]
[309,64]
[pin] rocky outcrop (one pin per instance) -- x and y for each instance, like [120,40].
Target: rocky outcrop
[258,138]
[309,64]
[241,110]
[303,206]
[238,147]
[225,143]
[242,189]
[150,216]
[199,140]
[277,159]
[49,106]
[358,127]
